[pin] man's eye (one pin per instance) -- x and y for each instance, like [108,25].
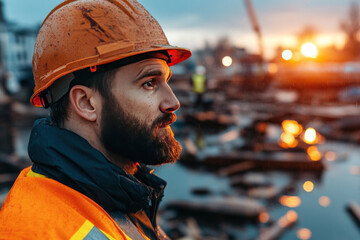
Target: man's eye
[149,84]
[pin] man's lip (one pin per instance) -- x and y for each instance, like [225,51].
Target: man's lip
[164,125]
[168,123]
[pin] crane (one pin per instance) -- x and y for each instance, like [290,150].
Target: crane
[252,16]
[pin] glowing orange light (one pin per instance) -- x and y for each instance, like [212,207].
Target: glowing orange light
[286,54]
[227,61]
[314,153]
[310,136]
[308,186]
[309,50]
[272,68]
[292,126]
[330,156]
[290,217]
[303,234]
[288,140]
[290,201]
[264,217]
[324,201]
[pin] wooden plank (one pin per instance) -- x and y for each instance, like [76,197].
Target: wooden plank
[354,210]
[217,206]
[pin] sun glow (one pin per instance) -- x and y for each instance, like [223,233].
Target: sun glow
[286,54]
[309,50]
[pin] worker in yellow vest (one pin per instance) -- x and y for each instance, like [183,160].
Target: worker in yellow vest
[199,86]
[102,67]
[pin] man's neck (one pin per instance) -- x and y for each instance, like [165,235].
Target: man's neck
[128,166]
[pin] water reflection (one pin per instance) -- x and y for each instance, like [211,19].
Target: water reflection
[324,201]
[290,201]
[289,218]
[330,156]
[264,217]
[314,153]
[304,233]
[355,170]
[308,186]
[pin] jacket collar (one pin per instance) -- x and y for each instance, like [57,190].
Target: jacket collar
[68,158]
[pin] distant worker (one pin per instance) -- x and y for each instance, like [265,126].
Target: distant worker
[102,67]
[199,86]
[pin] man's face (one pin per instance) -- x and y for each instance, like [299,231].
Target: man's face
[137,113]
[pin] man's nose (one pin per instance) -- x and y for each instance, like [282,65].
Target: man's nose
[170,103]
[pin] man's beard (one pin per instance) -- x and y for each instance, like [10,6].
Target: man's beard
[125,136]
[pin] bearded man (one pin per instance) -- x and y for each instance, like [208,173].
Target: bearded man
[102,67]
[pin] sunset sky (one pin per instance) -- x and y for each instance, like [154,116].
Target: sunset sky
[190,23]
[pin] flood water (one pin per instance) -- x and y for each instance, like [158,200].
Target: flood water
[337,183]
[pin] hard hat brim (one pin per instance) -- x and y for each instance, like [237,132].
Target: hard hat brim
[176,54]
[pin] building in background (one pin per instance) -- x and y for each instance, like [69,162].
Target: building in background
[16,50]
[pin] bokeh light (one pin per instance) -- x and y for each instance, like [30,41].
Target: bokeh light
[324,201]
[309,50]
[290,201]
[292,126]
[303,233]
[288,140]
[227,61]
[286,54]
[272,68]
[308,186]
[310,136]
[355,170]
[264,217]
[314,153]
[330,156]
[289,218]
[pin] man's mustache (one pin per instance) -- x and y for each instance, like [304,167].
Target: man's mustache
[164,120]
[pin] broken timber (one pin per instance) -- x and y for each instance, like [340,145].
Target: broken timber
[228,208]
[354,210]
[241,161]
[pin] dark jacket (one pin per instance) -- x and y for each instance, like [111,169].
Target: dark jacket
[69,159]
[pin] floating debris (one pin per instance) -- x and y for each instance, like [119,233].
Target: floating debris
[220,207]
[354,210]
[278,229]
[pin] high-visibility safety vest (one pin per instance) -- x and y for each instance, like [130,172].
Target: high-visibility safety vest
[198,81]
[38,207]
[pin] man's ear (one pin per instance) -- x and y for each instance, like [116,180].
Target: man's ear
[83,100]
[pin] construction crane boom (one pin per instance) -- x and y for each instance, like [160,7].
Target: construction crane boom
[252,16]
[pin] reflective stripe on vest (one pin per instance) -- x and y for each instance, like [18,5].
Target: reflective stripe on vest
[127,226]
[89,232]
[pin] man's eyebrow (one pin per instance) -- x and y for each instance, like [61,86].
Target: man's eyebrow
[148,73]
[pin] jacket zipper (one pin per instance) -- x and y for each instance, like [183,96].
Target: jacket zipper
[155,203]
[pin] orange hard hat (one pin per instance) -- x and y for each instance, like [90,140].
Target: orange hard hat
[80,34]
